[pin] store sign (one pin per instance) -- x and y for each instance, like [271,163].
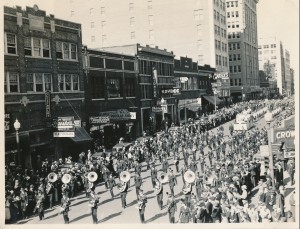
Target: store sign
[133,115]
[157,109]
[48,104]
[77,123]
[99,120]
[164,108]
[36,23]
[7,122]
[171,91]
[63,134]
[219,75]
[286,133]
[118,115]
[65,123]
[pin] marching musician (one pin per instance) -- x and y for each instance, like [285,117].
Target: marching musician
[184,214]
[172,180]
[138,183]
[24,202]
[153,174]
[111,183]
[123,192]
[187,193]
[93,203]
[40,199]
[172,207]
[176,161]
[142,200]
[49,193]
[159,193]
[198,185]
[165,165]
[65,203]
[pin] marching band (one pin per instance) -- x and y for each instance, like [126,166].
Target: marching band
[221,188]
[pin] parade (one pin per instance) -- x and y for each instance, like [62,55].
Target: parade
[223,180]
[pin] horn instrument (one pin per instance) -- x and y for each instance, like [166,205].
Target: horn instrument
[66,178]
[52,177]
[125,176]
[92,176]
[189,176]
[163,178]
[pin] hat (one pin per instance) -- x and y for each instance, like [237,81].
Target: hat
[231,186]
[244,187]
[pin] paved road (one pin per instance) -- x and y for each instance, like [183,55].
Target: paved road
[110,210]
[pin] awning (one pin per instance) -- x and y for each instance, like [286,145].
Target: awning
[194,108]
[81,135]
[211,99]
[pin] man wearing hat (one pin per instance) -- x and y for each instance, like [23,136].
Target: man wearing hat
[110,184]
[172,181]
[216,214]
[138,183]
[171,207]
[142,200]
[153,172]
[291,170]
[193,208]
[40,198]
[93,203]
[65,203]
[198,185]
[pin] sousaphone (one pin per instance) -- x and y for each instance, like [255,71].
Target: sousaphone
[52,177]
[66,178]
[92,176]
[189,176]
[125,176]
[163,178]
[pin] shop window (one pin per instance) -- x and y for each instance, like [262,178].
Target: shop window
[145,91]
[129,87]
[113,63]
[129,65]
[114,88]
[96,62]
[98,86]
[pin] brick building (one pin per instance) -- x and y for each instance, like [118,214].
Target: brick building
[43,80]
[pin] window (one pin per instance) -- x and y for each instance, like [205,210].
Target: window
[98,85]
[102,10]
[66,51]
[92,24]
[228,14]
[91,11]
[103,24]
[11,82]
[218,16]
[131,21]
[238,45]
[239,56]
[235,82]
[234,57]
[236,13]
[227,4]
[266,46]
[103,39]
[234,69]
[231,82]
[132,35]
[150,19]
[10,44]
[151,34]
[39,82]
[197,15]
[68,82]
[215,14]
[131,7]
[273,57]
[238,34]
[239,68]
[199,45]
[129,87]
[114,88]
[232,4]
[232,13]
[230,57]
[37,47]
[92,38]
[199,30]
[96,62]
[230,69]
[238,25]
[145,93]
[150,6]
[240,82]
[236,3]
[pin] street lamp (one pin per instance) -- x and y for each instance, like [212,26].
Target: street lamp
[269,119]
[242,93]
[17,126]
[163,103]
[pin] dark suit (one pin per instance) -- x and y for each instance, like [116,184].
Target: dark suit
[65,203]
[142,206]
[94,202]
[123,195]
[172,183]
[138,183]
[153,175]
[172,208]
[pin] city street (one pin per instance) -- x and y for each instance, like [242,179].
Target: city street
[111,211]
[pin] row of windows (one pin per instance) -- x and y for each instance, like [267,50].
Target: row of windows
[220,46]
[234,69]
[221,60]
[149,67]
[220,4]
[234,35]
[267,46]
[234,57]
[40,82]
[219,17]
[198,14]
[219,31]
[99,62]
[233,25]
[40,47]
[234,46]
[114,87]
[235,82]
[233,14]
[103,38]
[232,4]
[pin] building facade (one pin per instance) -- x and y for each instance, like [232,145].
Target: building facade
[243,54]
[43,80]
[157,23]
[271,59]
[287,74]
[112,96]
[193,82]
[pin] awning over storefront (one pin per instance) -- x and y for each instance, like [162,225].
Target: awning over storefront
[211,99]
[194,108]
[81,135]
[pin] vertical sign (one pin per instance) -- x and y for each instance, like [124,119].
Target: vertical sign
[154,75]
[48,104]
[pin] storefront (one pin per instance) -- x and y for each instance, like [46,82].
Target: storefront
[188,108]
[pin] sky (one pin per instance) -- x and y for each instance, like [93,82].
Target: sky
[276,18]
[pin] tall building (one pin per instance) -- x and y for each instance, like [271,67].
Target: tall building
[194,28]
[43,80]
[242,42]
[292,81]
[271,59]
[287,73]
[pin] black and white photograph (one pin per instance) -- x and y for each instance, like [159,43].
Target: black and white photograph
[151,112]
